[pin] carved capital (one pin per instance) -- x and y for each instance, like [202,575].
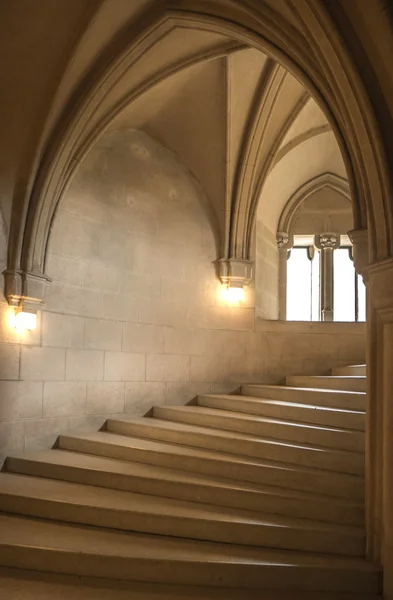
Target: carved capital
[235,272]
[327,241]
[282,239]
[26,289]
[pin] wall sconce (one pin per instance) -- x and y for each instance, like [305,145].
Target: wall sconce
[233,294]
[24,319]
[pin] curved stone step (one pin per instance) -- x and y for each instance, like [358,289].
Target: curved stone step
[87,505]
[356,370]
[351,383]
[351,400]
[232,466]
[159,481]
[341,461]
[304,413]
[328,437]
[82,551]
[40,586]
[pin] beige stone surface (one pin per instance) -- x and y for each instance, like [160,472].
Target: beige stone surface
[141,396]
[102,334]
[143,286]
[80,237]
[83,302]
[105,397]
[62,331]
[125,366]
[87,424]
[85,365]
[120,308]
[152,311]
[62,268]
[138,337]
[182,393]
[99,277]
[185,341]
[54,297]
[64,399]
[42,433]
[9,361]
[167,367]
[42,364]
[20,400]
[12,437]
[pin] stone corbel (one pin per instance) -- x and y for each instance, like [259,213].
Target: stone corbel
[235,272]
[283,241]
[359,239]
[327,241]
[24,289]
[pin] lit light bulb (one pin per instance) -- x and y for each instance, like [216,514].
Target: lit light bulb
[25,321]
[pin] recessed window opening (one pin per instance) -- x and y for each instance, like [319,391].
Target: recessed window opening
[331,291]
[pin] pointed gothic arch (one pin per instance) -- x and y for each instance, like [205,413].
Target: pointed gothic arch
[320,63]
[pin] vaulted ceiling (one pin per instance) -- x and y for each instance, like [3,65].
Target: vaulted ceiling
[234,116]
[188,73]
[243,125]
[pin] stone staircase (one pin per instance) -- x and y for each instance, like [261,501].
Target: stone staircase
[258,495]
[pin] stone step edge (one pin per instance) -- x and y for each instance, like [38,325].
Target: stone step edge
[224,434]
[240,516]
[286,403]
[249,417]
[265,489]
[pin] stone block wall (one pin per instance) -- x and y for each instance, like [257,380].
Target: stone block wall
[266,272]
[135,315]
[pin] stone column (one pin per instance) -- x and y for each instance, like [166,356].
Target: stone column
[379,430]
[283,245]
[359,239]
[327,243]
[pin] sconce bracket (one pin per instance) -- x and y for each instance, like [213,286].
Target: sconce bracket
[22,288]
[235,272]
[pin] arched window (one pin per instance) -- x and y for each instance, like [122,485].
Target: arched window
[321,281]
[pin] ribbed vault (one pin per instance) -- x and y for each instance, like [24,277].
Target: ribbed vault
[257,65]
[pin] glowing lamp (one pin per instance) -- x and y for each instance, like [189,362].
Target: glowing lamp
[235,294]
[232,294]
[25,320]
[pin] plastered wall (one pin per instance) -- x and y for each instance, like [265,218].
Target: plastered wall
[135,315]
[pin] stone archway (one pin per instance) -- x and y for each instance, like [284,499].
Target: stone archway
[313,51]
[329,180]
[252,25]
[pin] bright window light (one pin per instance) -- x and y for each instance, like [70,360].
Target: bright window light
[361,298]
[344,286]
[299,288]
[25,321]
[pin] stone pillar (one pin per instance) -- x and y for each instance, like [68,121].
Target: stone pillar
[359,239]
[283,245]
[327,243]
[379,464]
